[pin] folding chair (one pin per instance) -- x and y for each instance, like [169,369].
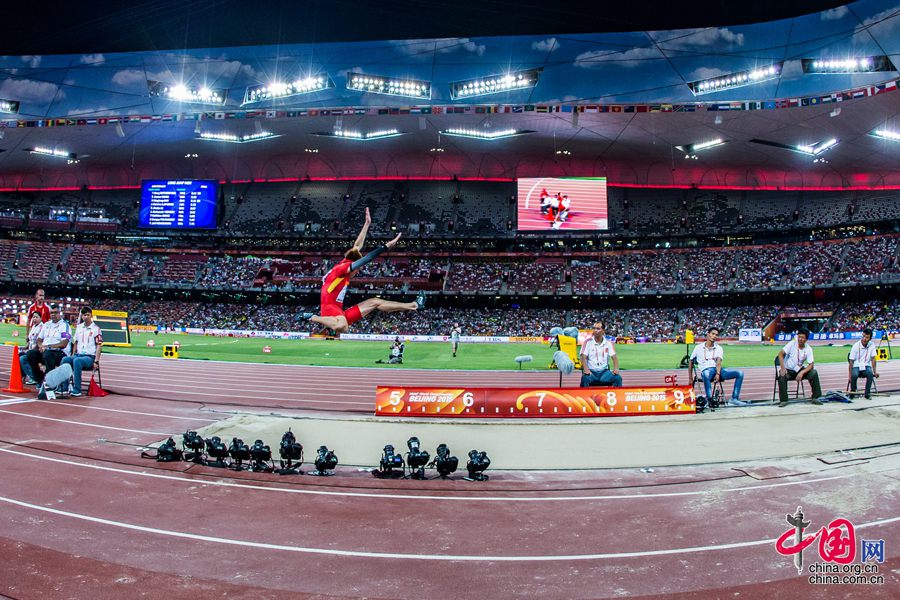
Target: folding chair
[718,390]
[874,381]
[799,391]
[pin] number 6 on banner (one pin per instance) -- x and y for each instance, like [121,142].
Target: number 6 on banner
[396,397]
[468,399]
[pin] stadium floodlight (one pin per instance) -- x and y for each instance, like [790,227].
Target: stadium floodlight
[362,136]
[280,89]
[494,84]
[865,64]
[71,157]
[233,138]
[736,80]
[481,134]
[817,148]
[690,150]
[9,106]
[887,134]
[182,93]
[391,86]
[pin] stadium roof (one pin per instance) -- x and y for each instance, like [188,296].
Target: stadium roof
[614,104]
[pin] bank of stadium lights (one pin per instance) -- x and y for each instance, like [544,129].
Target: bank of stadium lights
[494,84]
[390,86]
[9,106]
[233,138]
[279,89]
[70,157]
[484,134]
[817,148]
[886,134]
[363,136]
[311,150]
[865,64]
[736,80]
[690,150]
[563,153]
[182,93]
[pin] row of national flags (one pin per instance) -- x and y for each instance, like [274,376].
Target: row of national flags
[863,92]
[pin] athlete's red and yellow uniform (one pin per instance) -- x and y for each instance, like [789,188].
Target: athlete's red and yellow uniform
[334,288]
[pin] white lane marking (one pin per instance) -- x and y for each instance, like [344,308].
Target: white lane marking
[18,414]
[219,483]
[128,412]
[13,400]
[364,554]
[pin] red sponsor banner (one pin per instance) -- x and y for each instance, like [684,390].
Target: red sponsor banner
[533,402]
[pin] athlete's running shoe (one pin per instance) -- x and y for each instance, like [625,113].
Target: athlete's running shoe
[420,301]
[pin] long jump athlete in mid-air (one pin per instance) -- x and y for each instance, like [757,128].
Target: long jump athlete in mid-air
[334,288]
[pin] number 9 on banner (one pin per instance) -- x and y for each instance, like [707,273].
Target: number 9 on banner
[679,397]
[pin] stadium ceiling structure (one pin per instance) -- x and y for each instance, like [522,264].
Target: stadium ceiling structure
[790,103]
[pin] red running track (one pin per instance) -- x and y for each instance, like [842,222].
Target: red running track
[86,517]
[353,389]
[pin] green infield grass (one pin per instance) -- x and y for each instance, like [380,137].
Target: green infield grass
[427,355]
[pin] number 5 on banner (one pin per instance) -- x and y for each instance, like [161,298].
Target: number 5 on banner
[396,397]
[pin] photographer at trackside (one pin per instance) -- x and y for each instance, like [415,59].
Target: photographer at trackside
[595,355]
[86,351]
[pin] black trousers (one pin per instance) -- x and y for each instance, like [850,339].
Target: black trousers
[50,358]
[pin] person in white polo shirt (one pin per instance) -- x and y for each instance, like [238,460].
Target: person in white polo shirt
[796,362]
[53,344]
[596,353]
[708,358]
[86,350]
[862,361]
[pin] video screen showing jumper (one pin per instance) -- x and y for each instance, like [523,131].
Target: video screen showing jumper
[562,203]
[178,204]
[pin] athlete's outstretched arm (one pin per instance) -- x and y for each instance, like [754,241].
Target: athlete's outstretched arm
[361,238]
[357,264]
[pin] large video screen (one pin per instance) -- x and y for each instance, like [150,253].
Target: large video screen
[562,203]
[178,204]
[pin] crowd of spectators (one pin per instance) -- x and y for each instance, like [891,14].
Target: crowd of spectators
[811,264]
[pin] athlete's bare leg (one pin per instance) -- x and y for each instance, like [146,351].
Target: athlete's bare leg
[338,323]
[372,304]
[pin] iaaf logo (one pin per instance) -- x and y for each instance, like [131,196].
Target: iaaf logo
[837,542]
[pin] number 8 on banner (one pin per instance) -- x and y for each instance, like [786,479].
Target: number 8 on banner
[611,399]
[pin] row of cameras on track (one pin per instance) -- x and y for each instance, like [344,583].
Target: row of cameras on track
[214,452]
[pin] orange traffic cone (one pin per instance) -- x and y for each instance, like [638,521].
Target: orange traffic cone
[15,375]
[95,390]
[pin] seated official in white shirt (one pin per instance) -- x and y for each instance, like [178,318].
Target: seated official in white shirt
[53,344]
[862,362]
[796,362]
[596,353]
[34,332]
[708,358]
[86,350]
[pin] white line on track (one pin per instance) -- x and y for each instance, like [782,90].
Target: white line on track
[18,414]
[220,483]
[127,412]
[392,555]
